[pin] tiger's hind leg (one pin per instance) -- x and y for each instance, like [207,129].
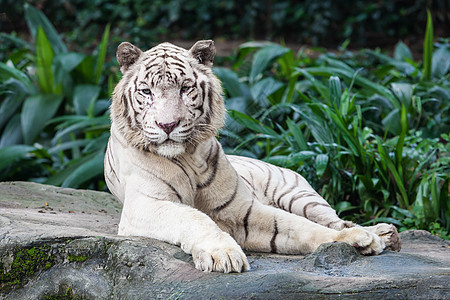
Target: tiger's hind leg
[291,192]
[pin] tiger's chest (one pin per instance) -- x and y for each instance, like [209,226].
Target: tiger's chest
[185,179]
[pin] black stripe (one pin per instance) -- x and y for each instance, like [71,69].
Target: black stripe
[273,246]
[268,182]
[284,194]
[313,204]
[167,183]
[214,164]
[233,196]
[178,64]
[108,157]
[273,194]
[176,58]
[292,202]
[247,215]
[180,165]
[332,222]
[249,183]
[151,66]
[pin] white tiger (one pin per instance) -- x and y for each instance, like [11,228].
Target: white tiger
[165,165]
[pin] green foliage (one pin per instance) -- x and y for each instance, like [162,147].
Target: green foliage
[368,130]
[37,87]
[362,128]
[312,22]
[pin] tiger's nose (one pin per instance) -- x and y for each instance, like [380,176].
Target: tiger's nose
[168,127]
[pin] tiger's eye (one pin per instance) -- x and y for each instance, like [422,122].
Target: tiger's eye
[184,89]
[146,91]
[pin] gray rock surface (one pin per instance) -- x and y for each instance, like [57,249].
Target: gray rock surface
[56,241]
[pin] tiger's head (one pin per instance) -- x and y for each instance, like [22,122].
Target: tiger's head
[168,99]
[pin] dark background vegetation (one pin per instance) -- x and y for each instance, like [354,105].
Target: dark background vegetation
[327,23]
[353,95]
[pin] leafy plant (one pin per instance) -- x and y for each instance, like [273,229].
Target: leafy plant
[51,81]
[368,140]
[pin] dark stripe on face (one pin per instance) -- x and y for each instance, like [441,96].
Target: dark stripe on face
[214,164]
[176,58]
[313,204]
[178,64]
[151,66]
[126,109]
[273,246]
[247,215]
[233,196]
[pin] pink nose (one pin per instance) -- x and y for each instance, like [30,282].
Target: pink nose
[168,127]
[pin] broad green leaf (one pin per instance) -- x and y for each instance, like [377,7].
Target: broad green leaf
[321,164]
[44,61]
[60,177]
[16,92]
[84,97]
[403,92]
[320,87]
[297,133]
[67,146]
[441,62]
[252,123]
[12,133]
[278,160]
[101,55]
[36,111]
[402,52]
[392,122]
[7,72]
[9,154]
[264,88]
[302,156]
[403,211]
[230,82]
[428,49]
[64,63]
[264,57]
[86,68]
[85,171]
[36,19]
[343,206]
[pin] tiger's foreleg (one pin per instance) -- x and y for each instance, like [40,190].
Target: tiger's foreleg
[144,214]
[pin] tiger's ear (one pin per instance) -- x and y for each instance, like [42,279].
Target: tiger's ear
[203,52]
[127,54]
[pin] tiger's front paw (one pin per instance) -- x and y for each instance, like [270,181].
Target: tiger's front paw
[222,254]
[366,242]
[389,234]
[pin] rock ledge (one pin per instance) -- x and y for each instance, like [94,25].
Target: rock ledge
[56,241]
